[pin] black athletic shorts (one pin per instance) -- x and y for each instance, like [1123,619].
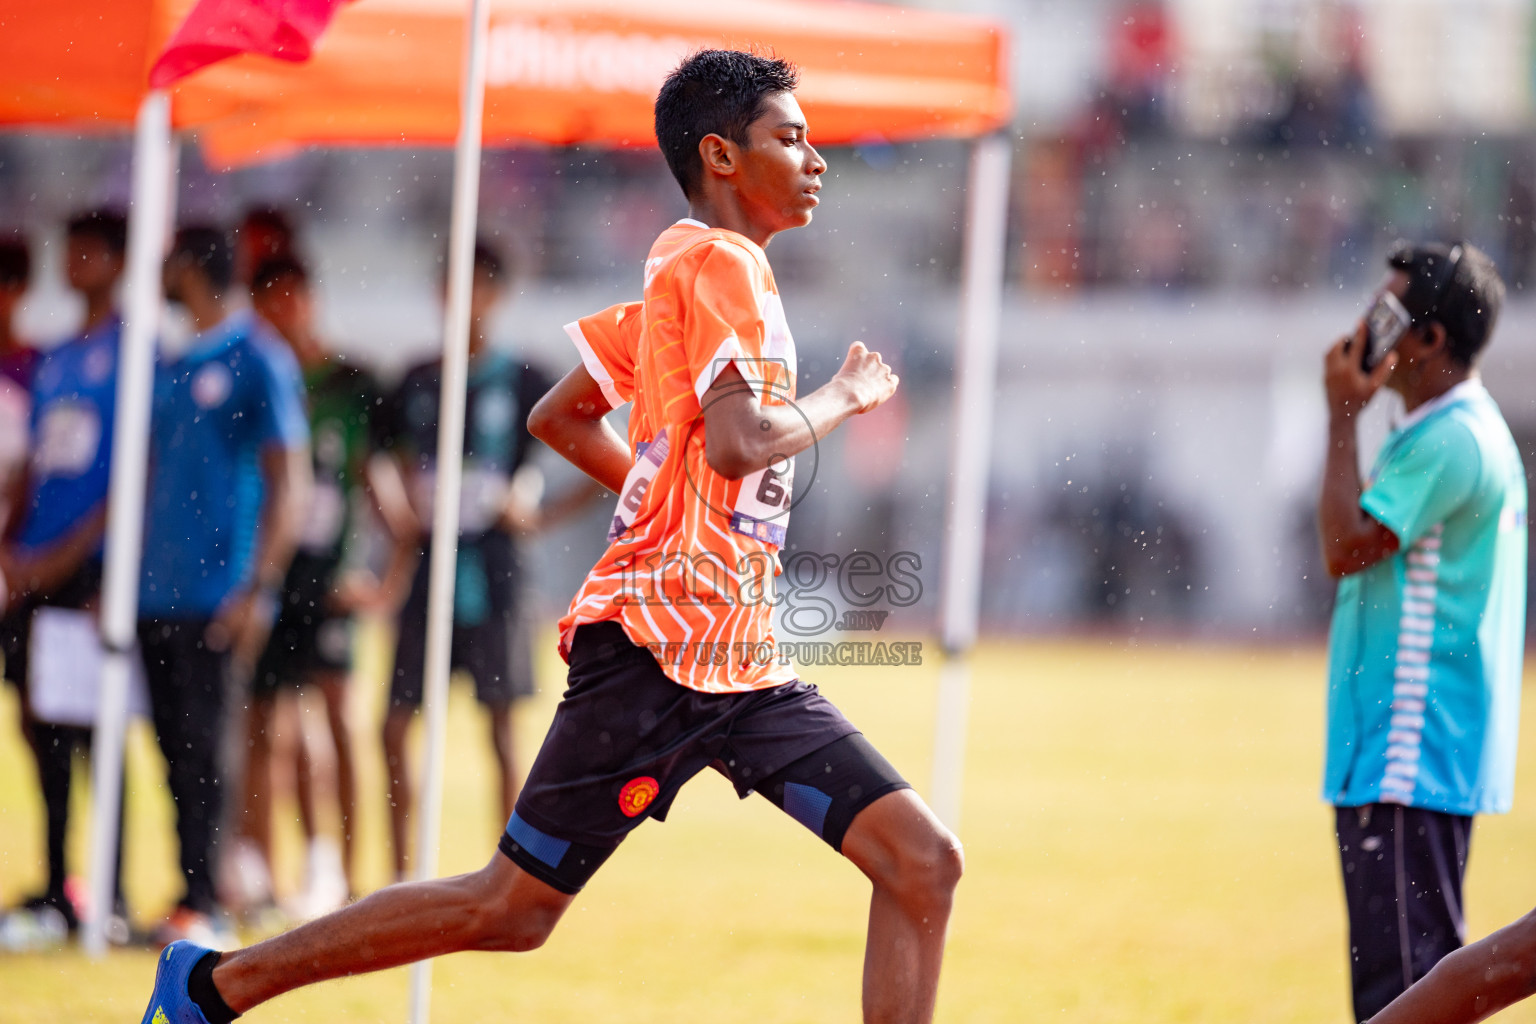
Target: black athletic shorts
[491,635]
[625,738]
[309,634]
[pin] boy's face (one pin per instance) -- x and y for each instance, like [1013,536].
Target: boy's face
[92,264]
[173,276]
[11,293]
[484,293]
[285,304]
[257,243]
[779,172]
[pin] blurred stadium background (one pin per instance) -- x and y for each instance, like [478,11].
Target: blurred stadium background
[1203,192]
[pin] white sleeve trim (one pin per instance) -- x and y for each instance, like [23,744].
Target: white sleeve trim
[594,365]
[728,353]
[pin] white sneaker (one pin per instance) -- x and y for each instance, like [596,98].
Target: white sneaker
[211,931]
[325,883]
[32,929]
[245,884]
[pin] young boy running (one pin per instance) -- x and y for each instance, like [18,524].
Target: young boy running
[709,365]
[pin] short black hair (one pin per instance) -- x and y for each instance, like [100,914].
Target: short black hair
[268,218]
[488,260]
[107,226]
[714,92]
[15,261]
[270,271]
[1462,292]
[211,252]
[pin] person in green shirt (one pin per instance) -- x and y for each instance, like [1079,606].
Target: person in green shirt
[311,641]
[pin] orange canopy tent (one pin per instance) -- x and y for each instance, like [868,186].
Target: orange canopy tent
[387,71]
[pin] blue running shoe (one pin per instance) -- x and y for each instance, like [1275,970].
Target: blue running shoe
[169,1003]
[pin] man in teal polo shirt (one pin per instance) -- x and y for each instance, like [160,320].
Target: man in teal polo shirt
[1428,633]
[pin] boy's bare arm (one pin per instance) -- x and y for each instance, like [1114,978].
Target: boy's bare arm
[741,435]
[1474,982]
[570,420]
[41,570]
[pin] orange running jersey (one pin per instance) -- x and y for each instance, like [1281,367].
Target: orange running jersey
[690,566]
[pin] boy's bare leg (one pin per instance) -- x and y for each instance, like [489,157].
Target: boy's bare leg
[256,817]
[1472,983]
[506,766]
[498,908]
[398,785]
[333,686]
[295,749]
[914,863]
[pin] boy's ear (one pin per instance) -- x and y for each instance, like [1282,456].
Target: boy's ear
[718,154]
[1434,336]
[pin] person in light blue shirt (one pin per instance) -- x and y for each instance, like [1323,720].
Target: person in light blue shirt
[1427,638]
[229,475]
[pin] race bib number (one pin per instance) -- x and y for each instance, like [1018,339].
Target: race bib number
[636,484]
[762,505]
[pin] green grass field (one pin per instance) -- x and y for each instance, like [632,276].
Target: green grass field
[1143,837]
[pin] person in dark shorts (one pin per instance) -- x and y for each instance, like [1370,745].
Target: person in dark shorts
[1427,643]
[490,635]
[673,667]
[229,476]
[311,641]
[54,556]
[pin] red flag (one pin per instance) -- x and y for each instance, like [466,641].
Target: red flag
[216,29]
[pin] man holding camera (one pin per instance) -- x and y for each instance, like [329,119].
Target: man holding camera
[1428,632]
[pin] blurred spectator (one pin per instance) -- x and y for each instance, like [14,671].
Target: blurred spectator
[1137,556]
[1051,207]
[228,487]
[16,363]
[265,233]
[1141,48]
[1520,223]
[55,559]
[500,499]
[311,643]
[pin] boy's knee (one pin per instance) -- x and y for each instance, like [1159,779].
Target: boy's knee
[943,862]
[501,932]
[514,913]
[926,868]
[904,849]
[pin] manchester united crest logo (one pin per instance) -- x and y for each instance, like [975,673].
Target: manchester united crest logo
[637,795]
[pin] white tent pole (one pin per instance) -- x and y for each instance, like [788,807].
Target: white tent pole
[153,205]
[981,295]
[450,465]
